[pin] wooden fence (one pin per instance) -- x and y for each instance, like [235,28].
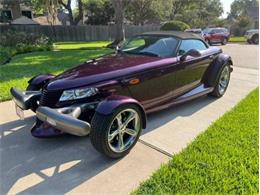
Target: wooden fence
[78,33]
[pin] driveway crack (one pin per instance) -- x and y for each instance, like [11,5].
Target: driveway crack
[155,148]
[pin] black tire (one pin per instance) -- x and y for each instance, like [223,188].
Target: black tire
[100,125]
[224,42]
[249,41]
[216,92]
[255,39]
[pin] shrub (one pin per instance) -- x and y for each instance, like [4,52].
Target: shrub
[13,38]
[5,56]
[13,43]
[175,25]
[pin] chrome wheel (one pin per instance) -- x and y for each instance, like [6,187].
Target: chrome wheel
[124,130]
[223,80]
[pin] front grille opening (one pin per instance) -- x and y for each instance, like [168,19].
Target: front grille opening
[50,98]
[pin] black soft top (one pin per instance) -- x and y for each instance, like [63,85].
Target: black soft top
[177,34]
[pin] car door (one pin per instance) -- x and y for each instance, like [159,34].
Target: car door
[214,38]
[155,84]
[192,69]
[219,35]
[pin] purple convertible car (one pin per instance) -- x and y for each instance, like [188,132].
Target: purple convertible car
[109,97]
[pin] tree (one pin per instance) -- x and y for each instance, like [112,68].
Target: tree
[243,21]
[99,12]
[219,22]
[67,5]
[52,6]
[49,6]
[199,13]
[142,11]
[119,7]
[241,7]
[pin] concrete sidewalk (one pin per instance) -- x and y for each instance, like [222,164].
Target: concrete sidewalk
[71,165]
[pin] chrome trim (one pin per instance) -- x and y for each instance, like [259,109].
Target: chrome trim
[65,119]
[124,130]
[24,99]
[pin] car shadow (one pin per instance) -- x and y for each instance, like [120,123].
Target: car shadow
[58,165]
[158,119]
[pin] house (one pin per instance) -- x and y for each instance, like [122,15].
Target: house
[23,20]
[14,9]
[62,19]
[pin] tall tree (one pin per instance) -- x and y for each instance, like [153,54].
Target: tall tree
[141,11]
[241,7]
[67,5]
[199,13]
[49,6]
[52,6]
[119,7]
[99,12]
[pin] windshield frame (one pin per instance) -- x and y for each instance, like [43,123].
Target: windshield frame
[174,53]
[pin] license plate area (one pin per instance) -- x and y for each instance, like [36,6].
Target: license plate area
[19,112]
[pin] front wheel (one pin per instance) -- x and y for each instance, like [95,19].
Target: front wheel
[222,82]
[116,134]
[255,39]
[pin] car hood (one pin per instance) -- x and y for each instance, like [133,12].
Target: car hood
[101,69]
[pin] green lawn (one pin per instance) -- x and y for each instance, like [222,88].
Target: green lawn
[237,39]
[223,160]
[23,67]
[80,45]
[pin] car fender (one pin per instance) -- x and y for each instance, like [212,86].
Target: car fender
[40,80]
[108,105]
[211,74]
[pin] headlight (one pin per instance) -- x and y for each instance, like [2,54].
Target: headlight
[78,94]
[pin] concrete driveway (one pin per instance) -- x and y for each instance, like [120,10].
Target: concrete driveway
[71,165]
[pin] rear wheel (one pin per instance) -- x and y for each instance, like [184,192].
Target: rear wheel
[116,134]
[224,42]
[222,82]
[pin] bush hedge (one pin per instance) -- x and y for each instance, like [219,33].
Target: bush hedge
[13,43]
[175,25]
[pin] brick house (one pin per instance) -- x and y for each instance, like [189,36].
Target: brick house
[13,9]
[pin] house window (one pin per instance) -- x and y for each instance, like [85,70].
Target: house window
[27,14]
[6,15]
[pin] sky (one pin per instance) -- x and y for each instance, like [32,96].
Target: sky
[226,6]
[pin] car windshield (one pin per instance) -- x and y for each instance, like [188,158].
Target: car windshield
[158,46]
[207,30]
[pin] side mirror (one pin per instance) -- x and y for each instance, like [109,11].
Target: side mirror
[192,52]
[117,49]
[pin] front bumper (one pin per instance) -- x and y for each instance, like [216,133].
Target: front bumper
[24,99]
[64,119]
[248,36]
[53,121]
